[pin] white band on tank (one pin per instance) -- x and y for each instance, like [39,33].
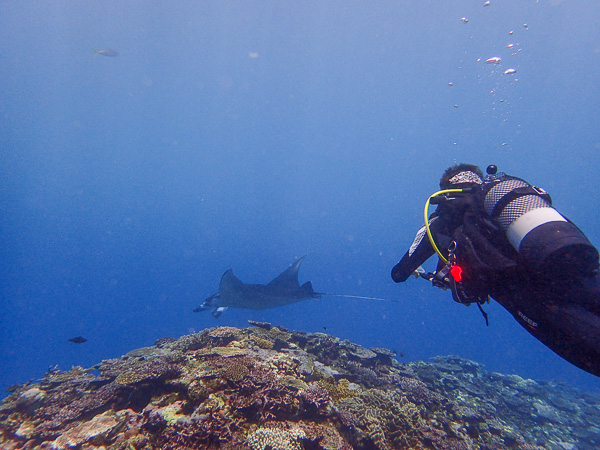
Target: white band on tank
[529,221]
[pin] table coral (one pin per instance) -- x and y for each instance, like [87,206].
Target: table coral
[226,352]
[97,427]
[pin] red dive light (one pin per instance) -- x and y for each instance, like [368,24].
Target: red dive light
[457,273]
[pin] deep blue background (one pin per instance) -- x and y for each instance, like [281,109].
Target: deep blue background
[246,134]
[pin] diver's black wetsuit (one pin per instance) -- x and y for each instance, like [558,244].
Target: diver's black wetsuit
[442,223]
[564,318]
[563,312]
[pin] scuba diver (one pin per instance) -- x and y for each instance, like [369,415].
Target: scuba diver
[498,236]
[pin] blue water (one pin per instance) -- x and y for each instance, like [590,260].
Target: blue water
[246,134]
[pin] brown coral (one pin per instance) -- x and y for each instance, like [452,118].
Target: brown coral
[262,397]
[164,341]
[325,436]
[263,342]
[193,393]
[316,399]
[222,336]
[338,390]
[149,371]
[227,352]
[224,332]
[276,439]
[418,392]
[277,335]
[215,428]
[389,419]
[292,382]
[230,368]
[59,409]
[100,425]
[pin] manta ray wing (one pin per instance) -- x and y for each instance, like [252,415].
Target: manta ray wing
[288,279]
[232,292]
[229,282]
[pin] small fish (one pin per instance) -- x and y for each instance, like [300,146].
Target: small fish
[464,19]
[77,340]
[486,4]
[494,60]
[111,52]
[510,71]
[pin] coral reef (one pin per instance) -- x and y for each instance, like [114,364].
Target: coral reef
[265,387]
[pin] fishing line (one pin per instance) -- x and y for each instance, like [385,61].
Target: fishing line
[358,296]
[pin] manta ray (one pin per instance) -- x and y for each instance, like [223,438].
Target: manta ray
[283,290]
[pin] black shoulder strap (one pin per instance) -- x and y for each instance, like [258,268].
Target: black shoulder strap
[480,245]
[516,193]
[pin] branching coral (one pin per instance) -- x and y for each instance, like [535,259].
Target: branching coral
[59,412]
[418,392]
[348,419]
[292,382]
[76,373]
[224,332]
[273,334]
[388,418]
[263,342]
[316,399]
[338,390]
[261,396]
[231,369]
[365,375]
[215,429]
[149,371]
[164,341]
[276,439]
[326,437]
[222,336]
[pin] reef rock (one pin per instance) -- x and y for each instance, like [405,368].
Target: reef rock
[265,387]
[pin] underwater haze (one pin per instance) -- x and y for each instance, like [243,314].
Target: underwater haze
[148,147]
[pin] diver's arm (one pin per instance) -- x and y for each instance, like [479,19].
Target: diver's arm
[419,252]
[409,263]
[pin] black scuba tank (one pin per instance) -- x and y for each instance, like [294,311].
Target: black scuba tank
[546,240]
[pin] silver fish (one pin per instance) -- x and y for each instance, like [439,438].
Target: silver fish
[111,52]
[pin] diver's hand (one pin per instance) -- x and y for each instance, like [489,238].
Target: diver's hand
[419,271]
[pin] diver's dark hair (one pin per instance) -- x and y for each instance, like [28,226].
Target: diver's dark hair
[451,171]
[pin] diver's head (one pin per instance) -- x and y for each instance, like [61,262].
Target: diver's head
[461,175]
